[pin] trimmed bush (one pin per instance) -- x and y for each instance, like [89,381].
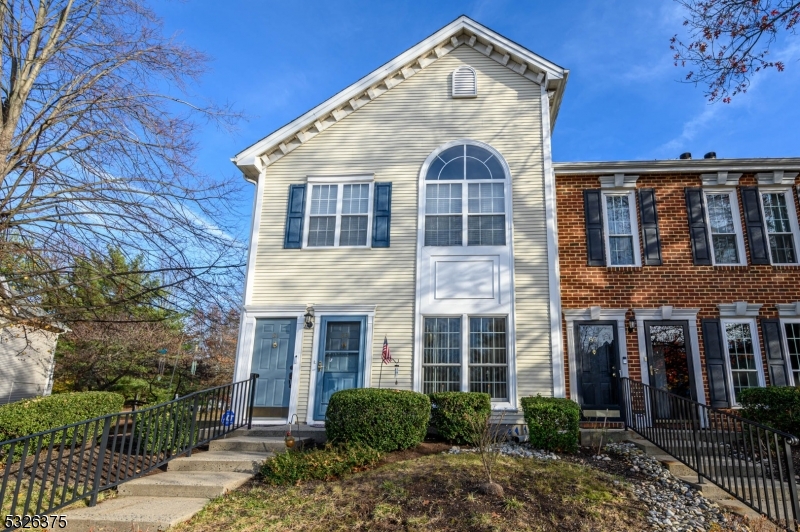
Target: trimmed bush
[776,406]
[39,414]
[553,423]
[319,464]
[385,420]
[451,413]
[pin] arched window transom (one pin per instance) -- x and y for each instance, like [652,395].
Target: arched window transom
[473,213]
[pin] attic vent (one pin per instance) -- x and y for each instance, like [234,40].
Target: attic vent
[465,83]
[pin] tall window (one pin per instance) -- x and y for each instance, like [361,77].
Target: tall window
[339,214]
[792,334]
[485,365]
[725,227]
[622,242]
[483,221]
[781,224]
[743,355]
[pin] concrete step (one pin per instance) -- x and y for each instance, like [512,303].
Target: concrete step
[708,489]
[249,444]
[133,514]
[235,462]
[677,468]
[279,431]
[193,484]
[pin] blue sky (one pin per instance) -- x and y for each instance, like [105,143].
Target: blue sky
[276,60]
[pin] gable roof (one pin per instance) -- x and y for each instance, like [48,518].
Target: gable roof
[461,32]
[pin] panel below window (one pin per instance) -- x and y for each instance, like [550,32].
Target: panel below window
[486,230]
[443,230]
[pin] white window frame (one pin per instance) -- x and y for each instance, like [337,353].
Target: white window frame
[790,207]
[633,214]
[785,341]
[756,353]
[737,225]
[465,365]
[339,181]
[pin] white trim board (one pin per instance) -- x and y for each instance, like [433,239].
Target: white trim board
[594,314]
[668,313]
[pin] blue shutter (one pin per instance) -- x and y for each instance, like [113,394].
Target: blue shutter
[593,212]
[295,213]
[382,215]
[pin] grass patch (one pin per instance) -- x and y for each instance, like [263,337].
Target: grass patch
[319,464]
[437,492]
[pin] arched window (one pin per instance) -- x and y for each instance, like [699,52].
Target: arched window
[458,213]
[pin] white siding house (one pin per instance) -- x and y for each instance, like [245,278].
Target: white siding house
[26,362]
[416,206]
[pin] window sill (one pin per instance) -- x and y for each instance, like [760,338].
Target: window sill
[337,247]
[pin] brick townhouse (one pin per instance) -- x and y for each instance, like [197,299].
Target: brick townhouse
[681,273]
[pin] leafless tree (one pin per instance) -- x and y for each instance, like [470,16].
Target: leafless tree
[729,40]
[97,152]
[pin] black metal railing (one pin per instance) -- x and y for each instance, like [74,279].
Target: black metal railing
[750,461]
[44,472]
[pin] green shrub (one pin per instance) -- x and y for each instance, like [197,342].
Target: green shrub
[776,406]
[451,413]
[385,420]
[553,423]
[39,414]
[319,464]
[165,429]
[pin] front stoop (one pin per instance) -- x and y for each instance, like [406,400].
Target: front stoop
[251,444]
[160,501]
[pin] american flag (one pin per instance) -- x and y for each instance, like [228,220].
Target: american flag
[387,355]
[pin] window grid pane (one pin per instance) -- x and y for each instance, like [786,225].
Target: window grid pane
[443,230]
[442,355]
[488,363]
[779,229]
[742,357]
[323,199]
[353,231]
[443,199]
[793,343]
[723,229]
[355,199]
[321,231]
[486,198]
[486,230]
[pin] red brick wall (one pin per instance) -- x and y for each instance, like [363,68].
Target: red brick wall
[678,282]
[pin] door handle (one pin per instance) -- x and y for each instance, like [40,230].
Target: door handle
[319,366]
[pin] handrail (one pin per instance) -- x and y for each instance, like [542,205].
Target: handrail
[46,471]
[749,460]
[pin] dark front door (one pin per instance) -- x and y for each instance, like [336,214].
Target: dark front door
[669,357]
[273,355]
[597,361]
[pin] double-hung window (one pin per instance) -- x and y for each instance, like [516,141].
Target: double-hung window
[791,337]
[339,214]
[465,198]
[744,357]
[481,367]
[725,227]
[780,221]
[620,229]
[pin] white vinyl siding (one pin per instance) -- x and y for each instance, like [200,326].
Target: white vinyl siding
[390,137]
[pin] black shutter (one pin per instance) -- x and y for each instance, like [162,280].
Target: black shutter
[650,236]
[593,211]
[715,364]
[295,212]
[698,231]
[382,215]
[773,345]
[753,220]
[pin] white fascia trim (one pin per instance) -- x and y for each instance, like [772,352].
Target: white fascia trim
[739,309]
[776,177]
[347,178]
[250,275]
[594,314]
[337,310]
[247,157]
[720,179]
[677,165]
[669,313]
[244,352]
[618,181]
[788,310]
[554,273]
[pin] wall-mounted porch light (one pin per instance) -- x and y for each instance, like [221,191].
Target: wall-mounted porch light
[632,325]
[309,317]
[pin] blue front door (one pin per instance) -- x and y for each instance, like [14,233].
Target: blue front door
[340,361]
[273,355]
